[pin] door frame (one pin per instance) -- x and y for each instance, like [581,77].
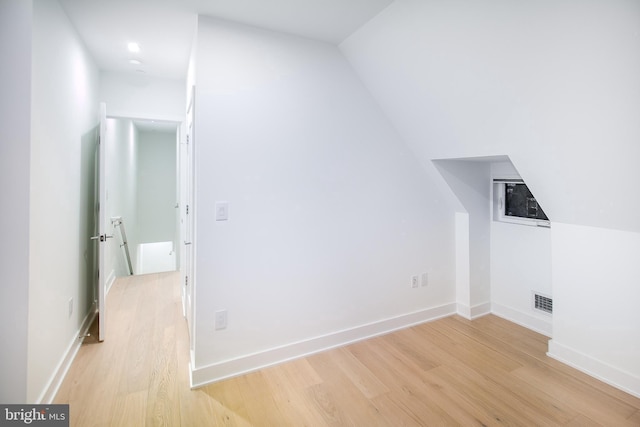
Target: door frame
[187,215]
[102,225]
[104,221]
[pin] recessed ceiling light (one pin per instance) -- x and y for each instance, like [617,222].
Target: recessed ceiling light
[133,47]
[135,62]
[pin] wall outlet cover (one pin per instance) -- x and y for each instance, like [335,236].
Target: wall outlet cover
[424,279]
[222,211]
[414,281]
[221,319]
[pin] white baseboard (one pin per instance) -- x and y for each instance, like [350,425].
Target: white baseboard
[480,310]
[252,362]
[474,312]
[55,382]
[604,372]
[541,326]
[463,310]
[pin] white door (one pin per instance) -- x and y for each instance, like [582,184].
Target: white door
[101,238]
[187,214]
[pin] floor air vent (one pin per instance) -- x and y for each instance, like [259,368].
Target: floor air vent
[543,303]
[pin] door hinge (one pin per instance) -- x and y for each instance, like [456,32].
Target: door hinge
[187,209]
[186,281]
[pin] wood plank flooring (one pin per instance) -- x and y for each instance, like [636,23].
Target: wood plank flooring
[486,372]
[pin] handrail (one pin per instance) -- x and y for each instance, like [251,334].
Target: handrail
[119,222]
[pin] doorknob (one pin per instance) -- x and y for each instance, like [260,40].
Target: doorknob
[101,237]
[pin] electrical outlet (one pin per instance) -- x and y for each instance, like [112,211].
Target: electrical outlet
[414,281]
[70,306]
[221,319]
[424,279]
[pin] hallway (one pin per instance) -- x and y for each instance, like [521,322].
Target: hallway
[135,375]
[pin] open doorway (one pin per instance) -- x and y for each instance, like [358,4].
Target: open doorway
[142,195]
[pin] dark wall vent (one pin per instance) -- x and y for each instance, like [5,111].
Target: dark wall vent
[543,303]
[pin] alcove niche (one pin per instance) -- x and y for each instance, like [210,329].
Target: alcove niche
[502,267]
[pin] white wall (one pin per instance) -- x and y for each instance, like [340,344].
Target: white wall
[156,182]
[142,96]
[520,265]
[498,265]
[470,181]
[463,265]
[63,135]
[330,214]
[550,85]
[122,191]
[553,86]
[15,112]
[596,324]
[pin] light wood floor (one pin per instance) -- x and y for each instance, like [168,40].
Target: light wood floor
[448,372]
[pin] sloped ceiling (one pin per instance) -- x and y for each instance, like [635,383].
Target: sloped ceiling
[164,29]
